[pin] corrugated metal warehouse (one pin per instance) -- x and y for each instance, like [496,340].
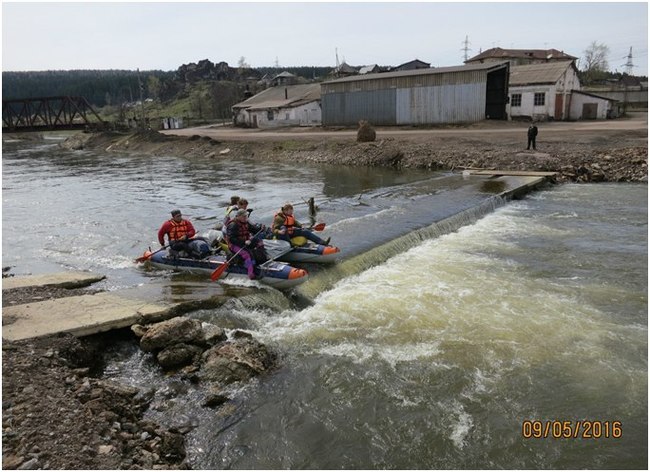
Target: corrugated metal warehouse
[462,94]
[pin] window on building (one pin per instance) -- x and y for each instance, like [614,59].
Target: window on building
[515,101]
[540,99]
[269,115]
[286,116]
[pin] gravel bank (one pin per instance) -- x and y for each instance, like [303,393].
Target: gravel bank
[616,155]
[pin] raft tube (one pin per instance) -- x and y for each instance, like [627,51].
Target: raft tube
[308,252]
[274,274]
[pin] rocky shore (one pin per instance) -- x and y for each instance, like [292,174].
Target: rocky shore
[620,156]
[58,412]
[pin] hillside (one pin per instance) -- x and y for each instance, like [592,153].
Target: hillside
[196,92]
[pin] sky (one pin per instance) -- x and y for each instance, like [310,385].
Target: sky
[165,35]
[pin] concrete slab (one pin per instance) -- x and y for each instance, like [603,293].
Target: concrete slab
[80,316]
[519,173]
[60,279]
[519,186]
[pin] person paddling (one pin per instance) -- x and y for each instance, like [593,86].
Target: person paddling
[179,232]
[285,226]
[233,207]
[242,239]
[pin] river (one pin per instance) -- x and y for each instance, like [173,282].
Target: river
[431,354]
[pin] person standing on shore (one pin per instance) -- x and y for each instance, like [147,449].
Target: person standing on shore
[532,136]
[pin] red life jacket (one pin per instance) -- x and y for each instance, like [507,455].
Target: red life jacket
[178,230]
[289,221]
[242,231]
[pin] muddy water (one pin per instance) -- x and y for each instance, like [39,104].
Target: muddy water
[432,355]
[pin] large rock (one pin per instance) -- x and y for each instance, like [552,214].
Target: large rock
[235,361]
[178,355]
[213,334]
[170,332]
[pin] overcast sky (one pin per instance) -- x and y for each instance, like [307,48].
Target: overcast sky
[165,35]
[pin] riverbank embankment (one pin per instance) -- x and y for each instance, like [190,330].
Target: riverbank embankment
[618,154]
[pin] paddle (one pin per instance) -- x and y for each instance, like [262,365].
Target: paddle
[148,256]
[218,272]
[318,227]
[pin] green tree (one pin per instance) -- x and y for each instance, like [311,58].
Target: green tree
[223,95]
[154,86]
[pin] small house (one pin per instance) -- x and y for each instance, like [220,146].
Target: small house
[588,106]
[288,105]
[542,92]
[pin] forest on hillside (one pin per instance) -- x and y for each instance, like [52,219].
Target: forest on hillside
[114,87]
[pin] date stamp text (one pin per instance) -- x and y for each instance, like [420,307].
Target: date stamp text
[576,429]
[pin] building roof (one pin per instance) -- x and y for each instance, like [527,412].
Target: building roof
[284,74]
[537,54]
[346,68]
[368,69]
[414,62]
[415,72]
[274,97]
[594,95]
[547,73]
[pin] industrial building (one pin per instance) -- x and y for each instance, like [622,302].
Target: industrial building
[462,94]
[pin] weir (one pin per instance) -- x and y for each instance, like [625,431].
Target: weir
[386,238]
[325,279]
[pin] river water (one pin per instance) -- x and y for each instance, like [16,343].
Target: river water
[431,353]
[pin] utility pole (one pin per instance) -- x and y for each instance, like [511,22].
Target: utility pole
[465,49]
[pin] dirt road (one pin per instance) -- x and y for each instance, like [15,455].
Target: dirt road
[635,122]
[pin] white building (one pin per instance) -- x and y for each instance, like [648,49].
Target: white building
[551,91]
[542,91]
[289,105]
[587,106]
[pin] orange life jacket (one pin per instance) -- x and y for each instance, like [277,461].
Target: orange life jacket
[178,230]
[289,221]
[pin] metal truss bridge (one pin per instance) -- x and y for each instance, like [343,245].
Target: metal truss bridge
[48,114]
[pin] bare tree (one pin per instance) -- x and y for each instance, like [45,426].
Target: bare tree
[595,60]
[596,57]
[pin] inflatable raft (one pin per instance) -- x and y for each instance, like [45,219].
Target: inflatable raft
[275,274]
[300,250]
